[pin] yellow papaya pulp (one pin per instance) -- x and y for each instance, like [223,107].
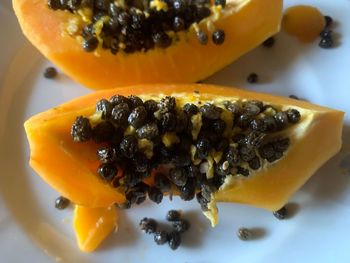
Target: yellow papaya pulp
[246,23]
[71,167]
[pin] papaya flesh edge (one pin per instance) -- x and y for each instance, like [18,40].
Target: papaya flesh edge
[250,23]
[93,225]
[70,168]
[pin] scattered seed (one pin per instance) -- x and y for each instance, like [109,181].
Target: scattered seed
[174,240]
[148,225]
[253,78]
[269,42]
[329,21]
[61,203]
[244,234]
[218,37]
[160,237]
[50,73]
[281,214]
[326,43]
[173,215]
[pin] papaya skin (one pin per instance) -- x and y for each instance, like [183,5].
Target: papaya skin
[185,61]
[70,167]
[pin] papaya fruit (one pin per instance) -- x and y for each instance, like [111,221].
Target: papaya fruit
[236,145]
[93,225]
[229,31]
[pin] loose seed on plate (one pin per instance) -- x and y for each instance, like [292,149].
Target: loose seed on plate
[253,78]
[61,203]
[173,215]
[244,234]
[50,73]
[281,214]
[148,225]
[160,237]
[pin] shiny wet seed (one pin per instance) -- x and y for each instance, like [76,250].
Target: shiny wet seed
[244,234]
[148,225]
[281,213]
[218,37]
[61,203]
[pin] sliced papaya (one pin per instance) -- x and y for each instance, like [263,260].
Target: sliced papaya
[224,144]
[93,225]
[225,33]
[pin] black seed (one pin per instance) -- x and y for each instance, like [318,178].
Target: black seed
[270,124]
[178,176]
[174,240]
[148,131]
[161,39]
[218,37]
[219,126]
[167,104]
[326,43]
[327,33]
[202,201]
[220,2]
[105,106]
[132,178]
[203,148]
[61,203]
[141,163]
[269,42]
[90,44]
[168,122]
[54,4]
[181,122]
[81,130]
[137,20]
[160,237]
[281,145]
[222,145]
[178,24]
[50,73]
[202,37]
[254,139]
[134,101]
[202,12]
[151,107]
[251,109]
[244,234]
[247,153]
[242,171]
[120,114]
[155,195]
[173,215]
[329,21]
[107,171]
[103,132]
[193,171]
[243,121]
[294,97]
[107,154]
[190,109]
[162,182]
[232,156]
[281,119]
[266,151]
[211,111]
[140,200]
[239,138]
[124,18]
[88,30]
[281,214]
[118,99]
[64,5]
[187,191]
[293,115]
[137,117]
[253,78]
[258,125]
[128,146]
[179,5]
[181,159]
[181,225]
[148,225]
[254,163]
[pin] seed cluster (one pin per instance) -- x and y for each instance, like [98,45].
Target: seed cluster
[173,238]
[139,25]
[201,149]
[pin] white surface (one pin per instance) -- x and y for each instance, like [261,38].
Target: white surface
[31,230]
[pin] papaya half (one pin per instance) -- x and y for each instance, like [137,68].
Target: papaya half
[212,41]
[263,148]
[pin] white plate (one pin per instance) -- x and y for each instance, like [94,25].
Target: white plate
[32,230]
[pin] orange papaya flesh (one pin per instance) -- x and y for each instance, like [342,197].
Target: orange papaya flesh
[70,167]
[93,225]
[246,23]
